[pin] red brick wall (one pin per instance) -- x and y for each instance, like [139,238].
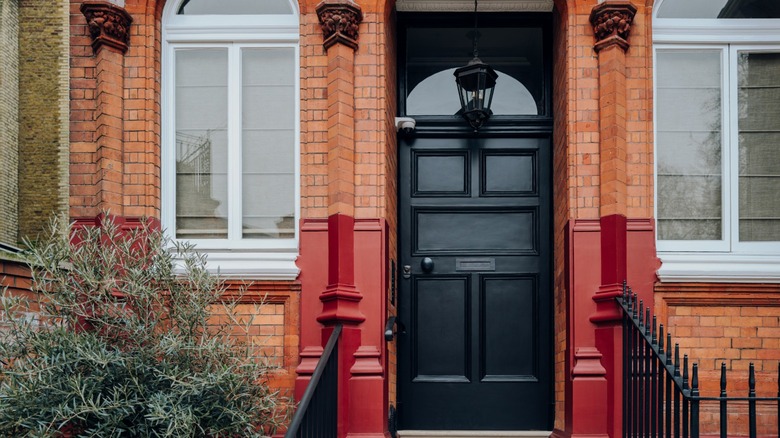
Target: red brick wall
[735,324]
[15,276]
[274,311]
[561,202]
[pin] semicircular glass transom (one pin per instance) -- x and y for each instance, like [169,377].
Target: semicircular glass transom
[235,7]
[516,54]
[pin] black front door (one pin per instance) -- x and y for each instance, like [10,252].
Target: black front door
[475,297]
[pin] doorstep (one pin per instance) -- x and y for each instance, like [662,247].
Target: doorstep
[473,433]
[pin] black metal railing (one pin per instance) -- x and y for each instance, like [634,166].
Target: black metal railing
[660,397]
[316,415]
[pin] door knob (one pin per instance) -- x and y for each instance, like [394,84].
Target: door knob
[427,265]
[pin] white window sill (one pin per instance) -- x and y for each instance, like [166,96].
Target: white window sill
[246,265]
[719,268]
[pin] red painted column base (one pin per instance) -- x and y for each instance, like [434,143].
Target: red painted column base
[586,403]
[340,303]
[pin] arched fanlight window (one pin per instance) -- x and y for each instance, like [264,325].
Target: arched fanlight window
[234,7]
[230,129]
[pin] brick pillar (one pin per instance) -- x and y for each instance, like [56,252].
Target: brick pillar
[340,299]
[611,22]
[361,402]
[109,27]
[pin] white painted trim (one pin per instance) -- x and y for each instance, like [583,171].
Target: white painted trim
[700,245]
[251,265]
[714,30]
[260,259]
[737,245]
[729,260]
[691,31]
[719,268]
[468,6]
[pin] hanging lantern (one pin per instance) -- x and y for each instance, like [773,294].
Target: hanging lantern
[476,82]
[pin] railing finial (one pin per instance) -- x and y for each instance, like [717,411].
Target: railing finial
[676,360]
[647,319]
[641,312]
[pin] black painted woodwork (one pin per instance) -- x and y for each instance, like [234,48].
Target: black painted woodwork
[477,348]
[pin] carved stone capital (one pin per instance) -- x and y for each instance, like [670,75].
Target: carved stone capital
[611,22]
[109,24]
[340,20]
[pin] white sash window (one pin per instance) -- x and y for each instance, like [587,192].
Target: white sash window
[230,158]
[717,139]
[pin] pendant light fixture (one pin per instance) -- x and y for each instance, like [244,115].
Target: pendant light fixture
[476,82]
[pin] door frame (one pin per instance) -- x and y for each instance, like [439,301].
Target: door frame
[497,126]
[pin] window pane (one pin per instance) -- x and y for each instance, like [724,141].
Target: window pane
[234,7]
[268,142]
[433,54]
[719,9]
[201,143]
[689,144]
[759,146]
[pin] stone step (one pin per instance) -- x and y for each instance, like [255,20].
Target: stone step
[473,434]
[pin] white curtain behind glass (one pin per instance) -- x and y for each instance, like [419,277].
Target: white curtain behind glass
[268,133]
[201,143]
[759,146]
[689,144]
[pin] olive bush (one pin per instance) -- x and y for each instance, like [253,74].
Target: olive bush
[121,341]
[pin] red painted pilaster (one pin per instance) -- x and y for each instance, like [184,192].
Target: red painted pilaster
[611,22]
[341,299]
[356,250]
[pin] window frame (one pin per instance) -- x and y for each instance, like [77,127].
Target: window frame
[728,259]
[272,258]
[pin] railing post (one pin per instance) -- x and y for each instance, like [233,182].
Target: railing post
[661,379]
[676,392]
[752,400]
[723,403]
[646,376]
[625,301]
[653,384]
[635,367]
[668,386]
[695,402]
[685,419]
[641,375]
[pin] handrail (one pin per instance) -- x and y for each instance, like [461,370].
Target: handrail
[298,423]
[658,398]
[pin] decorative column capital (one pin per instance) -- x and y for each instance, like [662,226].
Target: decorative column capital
[340,20]
[611,22]
[109,24]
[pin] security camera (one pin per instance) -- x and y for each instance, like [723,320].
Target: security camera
[405,124]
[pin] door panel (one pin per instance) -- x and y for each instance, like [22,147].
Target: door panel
[441,316]
[476,350]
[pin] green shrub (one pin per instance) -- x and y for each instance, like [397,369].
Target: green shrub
[120,343]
